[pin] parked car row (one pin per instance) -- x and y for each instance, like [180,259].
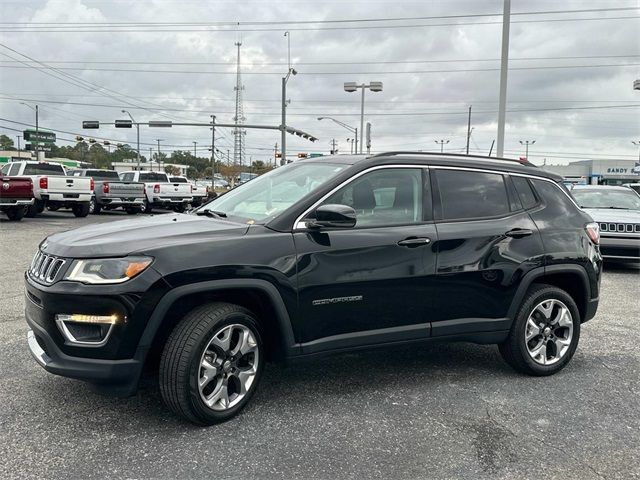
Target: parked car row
[30,187]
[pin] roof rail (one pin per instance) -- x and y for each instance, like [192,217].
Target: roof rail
[456,155]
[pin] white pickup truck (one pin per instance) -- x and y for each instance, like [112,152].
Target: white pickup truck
[52,187]
[159,191]
[199,194]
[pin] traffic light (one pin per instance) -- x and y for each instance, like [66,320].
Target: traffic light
[123,123]
[90,124]
[302,155]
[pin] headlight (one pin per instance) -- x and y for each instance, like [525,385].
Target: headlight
[107,270]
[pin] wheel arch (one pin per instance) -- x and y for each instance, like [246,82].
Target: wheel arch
[258,296]
[573,279]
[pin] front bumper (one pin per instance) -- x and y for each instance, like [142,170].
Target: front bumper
[119,376]
[620,247]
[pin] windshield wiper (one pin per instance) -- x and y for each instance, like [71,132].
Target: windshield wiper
[211,213]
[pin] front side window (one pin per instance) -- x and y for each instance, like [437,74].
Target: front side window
[385,197]
[15,168]
[466,194]
[527,197]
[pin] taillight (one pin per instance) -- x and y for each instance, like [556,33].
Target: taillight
[593,230]
[105,187]
[92,184]
[44,183]
[156,188]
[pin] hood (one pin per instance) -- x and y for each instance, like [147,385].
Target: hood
[611,215]
[123,237]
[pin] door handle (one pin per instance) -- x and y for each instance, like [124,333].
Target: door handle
[519,233]
[413,242]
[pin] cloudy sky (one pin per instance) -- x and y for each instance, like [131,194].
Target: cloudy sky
[569,89]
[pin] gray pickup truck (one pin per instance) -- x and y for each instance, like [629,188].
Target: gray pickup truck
[110,192]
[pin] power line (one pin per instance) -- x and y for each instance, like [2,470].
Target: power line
[372,72]
[351,62]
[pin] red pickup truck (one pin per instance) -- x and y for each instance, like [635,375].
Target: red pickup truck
[16,195]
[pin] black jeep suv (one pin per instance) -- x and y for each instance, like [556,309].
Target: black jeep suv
[326,255]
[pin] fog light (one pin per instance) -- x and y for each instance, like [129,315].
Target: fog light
[87,330]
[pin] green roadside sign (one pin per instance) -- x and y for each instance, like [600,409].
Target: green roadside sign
[39,136]
[316,155]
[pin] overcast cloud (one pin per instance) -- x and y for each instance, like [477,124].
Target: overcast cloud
[413,110]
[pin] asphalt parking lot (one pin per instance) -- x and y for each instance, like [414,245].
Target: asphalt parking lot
[445,411]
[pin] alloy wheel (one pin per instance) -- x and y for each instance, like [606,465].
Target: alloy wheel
[549,332]
[228,367]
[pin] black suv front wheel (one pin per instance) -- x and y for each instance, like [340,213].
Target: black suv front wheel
[211,363]
[545,333]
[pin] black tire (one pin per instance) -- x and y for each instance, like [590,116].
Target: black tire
[94,207]
[179,208]
[81,209]
[132,210]
[32,211]
[147,207]
[515,351]
[53,208]
[180,362]
[39,204]
[16,213]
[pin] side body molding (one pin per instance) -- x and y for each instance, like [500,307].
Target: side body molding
[291,348]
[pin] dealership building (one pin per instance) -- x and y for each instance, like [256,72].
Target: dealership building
[599,172]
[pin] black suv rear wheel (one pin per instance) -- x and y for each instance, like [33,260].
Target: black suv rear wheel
[545,333]
[211,363]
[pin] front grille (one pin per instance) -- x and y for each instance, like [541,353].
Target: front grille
[620,227]
[45,268]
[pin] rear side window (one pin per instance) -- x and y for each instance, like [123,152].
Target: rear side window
[556,200]
[43,169]
[466,194]
[153,177]
[527,197]
[15,168]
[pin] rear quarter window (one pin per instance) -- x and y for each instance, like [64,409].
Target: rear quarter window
[526,193]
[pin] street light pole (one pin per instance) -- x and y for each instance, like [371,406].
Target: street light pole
[18,137]
[442,143]
[504,68]
[637,144]
[137,137]
[285,79]
[35,142]
[195,152]
[344,125]
[526,143]
[353,87]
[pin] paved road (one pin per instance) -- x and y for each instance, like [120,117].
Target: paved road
[446,411]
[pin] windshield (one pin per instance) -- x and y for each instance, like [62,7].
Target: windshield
[43,169]
[102,174]
[605,198]
[178,180]
[265,197]
[153,177]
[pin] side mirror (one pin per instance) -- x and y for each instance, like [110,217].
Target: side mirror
[333,216]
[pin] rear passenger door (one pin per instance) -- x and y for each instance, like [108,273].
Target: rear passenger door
[486,243]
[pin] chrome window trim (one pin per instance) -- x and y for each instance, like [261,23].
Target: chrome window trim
[299,225]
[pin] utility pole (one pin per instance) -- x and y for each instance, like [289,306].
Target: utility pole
[18,137]
[195,154]
[159,164]
[283,124]
[504,68]
[468,129]
[527,143]
[334,145]
[350,142]
[36,142]
[213,151]
[442,143]
[275,154]
[150,159]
